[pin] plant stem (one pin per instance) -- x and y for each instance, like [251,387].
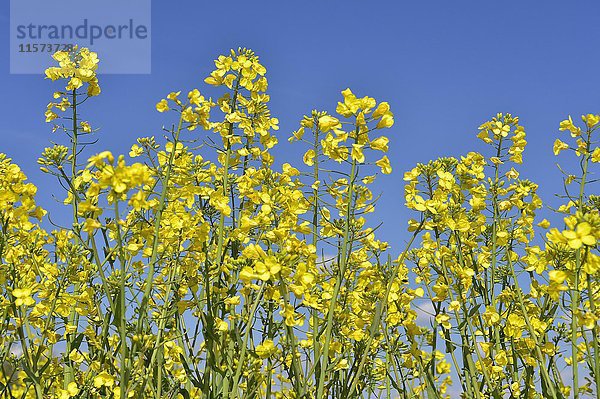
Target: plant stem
[157,220]
[338,283]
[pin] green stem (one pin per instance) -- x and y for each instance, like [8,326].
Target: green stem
[381,309]
[221,229]
[158,349]
[575,295]
[532,332]
[242,356]
[315,237]
[157,221]
[298,381]
[495,220]
[574,325]
[124,377]
[338,283]
[74,316]
[595,332]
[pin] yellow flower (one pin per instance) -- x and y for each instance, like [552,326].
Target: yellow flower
[93,90]
[195,97]
[386,121]
[559,146]
[221,325]
[188,115]
[568,125]
[268,268]
[380,144]
[266,349]
[357,153]
[78,66]
[514,325]
[327,123]
[72,389]
[512,174]
[491,317]
[350,105]
[117,391]
[591,120]
[384,164]
[596,155]
[98,159]
[91,225]
[297,134]
[23,296]
[557,276]
[592,264]
[74,84]
[309,157]
[162,105]
[588,319]
[174,96]
[220,203]
[50,115]
[444,320]
[581,235]
[382,109]
[289,170]
[484,136]
[85,127]
[136,151]
[341,364]
[454,305]
[104,379]
[500,129]
[247,274]
[234,300]
[76,356]
[544,224]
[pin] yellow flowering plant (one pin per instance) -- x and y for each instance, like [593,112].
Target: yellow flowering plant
[501,305]
[194,267]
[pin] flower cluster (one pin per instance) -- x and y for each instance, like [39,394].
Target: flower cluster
[198,267]
[507,310]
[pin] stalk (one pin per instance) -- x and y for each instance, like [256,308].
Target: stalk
[380,310]
[338,282]
[73,317]
[574,325]
[220,237]
[595,332]
[314,313]
[221,227]
[123,322]
[471,383]
[496,217]
[157,351]
[157,221]
[242,358]
[538,351]
[575,297]
[291,338]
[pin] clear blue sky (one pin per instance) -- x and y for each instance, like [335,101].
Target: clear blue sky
[445,67]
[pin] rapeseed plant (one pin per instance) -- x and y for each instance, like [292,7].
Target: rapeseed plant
[182,277]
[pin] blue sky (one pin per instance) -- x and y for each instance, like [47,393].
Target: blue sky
[445,67]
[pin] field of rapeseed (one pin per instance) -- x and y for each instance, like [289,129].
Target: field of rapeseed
[196,269]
